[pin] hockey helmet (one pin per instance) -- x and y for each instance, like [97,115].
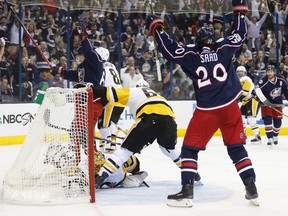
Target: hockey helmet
[271,68]
[241,68]
[141,83]
[79,50]
[103,52]
[205,36]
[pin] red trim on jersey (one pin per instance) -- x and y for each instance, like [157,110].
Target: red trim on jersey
[243,164]
[188,164]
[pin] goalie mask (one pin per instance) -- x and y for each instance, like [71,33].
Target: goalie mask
[205,36]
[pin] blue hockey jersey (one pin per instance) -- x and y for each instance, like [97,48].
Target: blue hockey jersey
[211,69]
[91,70]
[273,91]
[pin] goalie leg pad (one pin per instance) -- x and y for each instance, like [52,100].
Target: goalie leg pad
[134,180]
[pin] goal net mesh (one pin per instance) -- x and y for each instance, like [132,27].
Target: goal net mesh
[47,168]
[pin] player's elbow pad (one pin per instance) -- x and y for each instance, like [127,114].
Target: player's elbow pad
[155,24]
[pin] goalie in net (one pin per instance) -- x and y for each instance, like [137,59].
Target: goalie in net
[46,169]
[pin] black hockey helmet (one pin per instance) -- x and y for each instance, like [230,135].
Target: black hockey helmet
[79,51]
[205,36]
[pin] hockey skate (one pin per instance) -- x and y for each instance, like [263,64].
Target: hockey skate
[256,140]
[275,140]
[99,180]
[251,192]
[197,181]
[182,199]
[269,143]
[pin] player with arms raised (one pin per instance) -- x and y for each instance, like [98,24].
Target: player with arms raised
[209,64]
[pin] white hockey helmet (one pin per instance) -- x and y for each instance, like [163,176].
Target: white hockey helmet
[103,52]
[242,68]
[141,83]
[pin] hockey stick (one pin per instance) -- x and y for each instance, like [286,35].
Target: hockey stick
[29,35]
[159,76]
[265,101]
[47,122]
[46,118]
[107,140]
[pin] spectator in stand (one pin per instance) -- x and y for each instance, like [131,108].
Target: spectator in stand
[27,40]
[130,77]
[255,8]
[283,70]
[94,34]
[254,29]
[186,90]
[57,80]
[273,53]
[3,27]
[2,47]
[60,49]
[146,65]
[40,62]
[14,26]
[166,87]
[245,51]
[241,61]
[130,62]
[282,11]
[6,92]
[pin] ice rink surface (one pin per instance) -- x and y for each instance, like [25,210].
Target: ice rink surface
[221,195]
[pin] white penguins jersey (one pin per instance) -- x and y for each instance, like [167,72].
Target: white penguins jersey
[112,77]
[140,101]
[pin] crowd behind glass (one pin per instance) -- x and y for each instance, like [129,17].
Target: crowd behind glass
[48,27]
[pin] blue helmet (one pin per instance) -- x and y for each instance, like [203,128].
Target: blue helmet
[271,68]
[205,36]
[79,50]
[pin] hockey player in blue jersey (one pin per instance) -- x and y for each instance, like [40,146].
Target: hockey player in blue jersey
[209,64]
[90,68]
[273,86]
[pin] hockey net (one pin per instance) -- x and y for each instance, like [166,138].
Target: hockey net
[47,169]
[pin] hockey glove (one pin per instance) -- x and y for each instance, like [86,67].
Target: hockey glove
[240,6]
[99,160]
[82,31]
[153,23]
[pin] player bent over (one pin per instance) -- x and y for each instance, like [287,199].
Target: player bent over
[273,86]
[209,64]
[154,121]
[249,106]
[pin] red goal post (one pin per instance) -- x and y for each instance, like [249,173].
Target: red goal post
[56,162]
